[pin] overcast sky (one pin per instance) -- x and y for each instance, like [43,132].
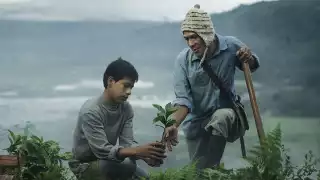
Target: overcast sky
[103,10]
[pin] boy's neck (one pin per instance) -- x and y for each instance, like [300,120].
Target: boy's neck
[107,100]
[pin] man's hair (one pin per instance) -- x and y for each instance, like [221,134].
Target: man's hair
[120,69]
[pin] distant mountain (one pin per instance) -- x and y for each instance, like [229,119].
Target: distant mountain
[285,34]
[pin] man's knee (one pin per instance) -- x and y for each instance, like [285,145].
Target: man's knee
[223,114]
[207,150]
[221,122]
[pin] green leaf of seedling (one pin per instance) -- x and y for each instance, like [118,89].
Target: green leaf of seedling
[160,126]
[170,122]
[169,105]
[170,111]
[161,119]
[160,108]
[161,114]
[157,119]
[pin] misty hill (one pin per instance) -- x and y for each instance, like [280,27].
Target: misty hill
[283,33]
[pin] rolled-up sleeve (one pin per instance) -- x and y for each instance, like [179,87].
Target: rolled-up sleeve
[181,84]
[238,44]
[94,132]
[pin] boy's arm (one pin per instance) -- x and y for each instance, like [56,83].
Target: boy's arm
[94,132]
[126,138]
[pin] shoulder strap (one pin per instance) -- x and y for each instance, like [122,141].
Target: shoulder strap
[208,69]
[215,79]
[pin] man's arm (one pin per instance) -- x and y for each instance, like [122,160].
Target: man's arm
[94,132]
[254,64]
[182,90]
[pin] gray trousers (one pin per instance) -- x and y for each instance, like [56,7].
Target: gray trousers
[206,143]
[128,169]
[108,170]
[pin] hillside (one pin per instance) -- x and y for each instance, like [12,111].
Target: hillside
[283,33]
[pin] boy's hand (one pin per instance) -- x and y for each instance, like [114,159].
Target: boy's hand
[155,151]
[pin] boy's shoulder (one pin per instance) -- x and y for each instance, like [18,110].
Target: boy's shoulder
[90,106]
[127,108]
[93,106]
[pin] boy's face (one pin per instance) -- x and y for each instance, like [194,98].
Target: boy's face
[120,90]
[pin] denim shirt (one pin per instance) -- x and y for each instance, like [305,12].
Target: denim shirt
[193,87]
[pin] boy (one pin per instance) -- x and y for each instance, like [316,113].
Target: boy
[104,120]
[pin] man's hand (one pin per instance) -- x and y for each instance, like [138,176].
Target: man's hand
[155,151]
[244,54]
[171,136]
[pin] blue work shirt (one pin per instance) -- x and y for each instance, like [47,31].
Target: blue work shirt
[193,87]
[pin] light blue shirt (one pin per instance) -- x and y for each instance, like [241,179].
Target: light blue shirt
[193,87]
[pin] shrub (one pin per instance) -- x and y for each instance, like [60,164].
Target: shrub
[40,159]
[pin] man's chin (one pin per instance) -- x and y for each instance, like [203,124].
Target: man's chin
[198,54]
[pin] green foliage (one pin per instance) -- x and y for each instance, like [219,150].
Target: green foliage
[188,172]
[268,161]
[40,158]
[164,115]
[53,173]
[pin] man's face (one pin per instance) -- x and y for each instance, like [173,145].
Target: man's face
[195,42]
[120,90]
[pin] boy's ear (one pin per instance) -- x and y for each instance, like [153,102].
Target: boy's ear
[111,81]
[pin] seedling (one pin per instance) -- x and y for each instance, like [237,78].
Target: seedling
[164,118]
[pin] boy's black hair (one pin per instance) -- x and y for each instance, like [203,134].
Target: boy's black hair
[120,69]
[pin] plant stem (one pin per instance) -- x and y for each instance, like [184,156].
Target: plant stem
[162,138]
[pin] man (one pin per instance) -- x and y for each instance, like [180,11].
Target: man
[104,120]
[205,116]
